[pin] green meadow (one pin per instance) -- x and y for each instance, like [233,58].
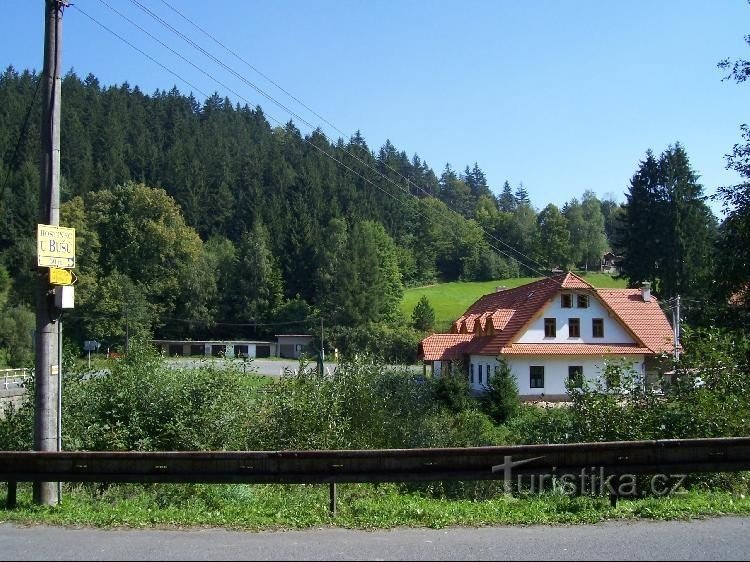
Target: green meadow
[450,300]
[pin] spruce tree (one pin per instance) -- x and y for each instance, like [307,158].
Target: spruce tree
[423,316]
[501,401]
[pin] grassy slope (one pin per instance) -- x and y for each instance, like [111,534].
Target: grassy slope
[450,300]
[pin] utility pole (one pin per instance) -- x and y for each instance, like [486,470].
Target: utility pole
[676,328]
[322,352]
[47,366]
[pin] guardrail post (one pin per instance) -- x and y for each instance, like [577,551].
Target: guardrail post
[11,501]
[613,500]
[332,498]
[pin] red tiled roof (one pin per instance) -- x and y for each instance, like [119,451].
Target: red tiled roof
[444,347]
[510,310]
[572,281]
[645,319]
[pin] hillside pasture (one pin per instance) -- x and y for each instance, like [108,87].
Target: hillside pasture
[450,300]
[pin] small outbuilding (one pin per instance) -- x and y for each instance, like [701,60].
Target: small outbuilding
[291,346]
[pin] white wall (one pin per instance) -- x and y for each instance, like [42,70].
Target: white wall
[555,371]
[613,330]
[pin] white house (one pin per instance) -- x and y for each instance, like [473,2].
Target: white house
[550,331]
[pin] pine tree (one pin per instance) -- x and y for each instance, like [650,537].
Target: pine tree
[501,401]
[521,195]
[506,200]
[423,316]
[670,230]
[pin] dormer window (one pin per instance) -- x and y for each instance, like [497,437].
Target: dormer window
[583,301]
[566,300]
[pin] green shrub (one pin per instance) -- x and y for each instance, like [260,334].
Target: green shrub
[501,401]
[143,404]
[534,425]
[452,390]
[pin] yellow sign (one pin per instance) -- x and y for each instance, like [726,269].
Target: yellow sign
[60,276]
[55,246]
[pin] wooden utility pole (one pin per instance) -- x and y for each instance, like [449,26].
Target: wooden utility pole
[47,367]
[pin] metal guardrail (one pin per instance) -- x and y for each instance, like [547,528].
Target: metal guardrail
[673,456]
[14,377]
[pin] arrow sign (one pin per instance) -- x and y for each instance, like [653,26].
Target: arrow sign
[59,276]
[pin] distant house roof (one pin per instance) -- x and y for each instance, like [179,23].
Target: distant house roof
[492,323]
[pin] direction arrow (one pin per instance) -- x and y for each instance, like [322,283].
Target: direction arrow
[59,276]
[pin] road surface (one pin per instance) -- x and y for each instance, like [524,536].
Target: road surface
[725,538]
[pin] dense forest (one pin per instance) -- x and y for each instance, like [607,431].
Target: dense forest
[199,219]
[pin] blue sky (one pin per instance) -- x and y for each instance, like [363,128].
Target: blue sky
[563,96]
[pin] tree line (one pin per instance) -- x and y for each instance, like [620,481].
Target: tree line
[202,220]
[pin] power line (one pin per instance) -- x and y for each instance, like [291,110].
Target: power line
[149,57]
[269,97]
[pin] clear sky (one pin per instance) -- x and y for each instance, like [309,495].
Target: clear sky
[563,96]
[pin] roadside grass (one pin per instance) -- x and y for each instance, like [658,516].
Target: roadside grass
[360,506]
[450,300]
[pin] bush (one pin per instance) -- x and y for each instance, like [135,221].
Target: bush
[501,401]
[389,343]
[452,390]
[143,404]
[534,425]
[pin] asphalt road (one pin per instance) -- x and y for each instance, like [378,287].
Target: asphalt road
[712,539]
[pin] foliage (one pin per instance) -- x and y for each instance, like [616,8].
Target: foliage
[423,317]
[360,506]
[553,244]
[452,389]
[361,405]
[17,325]
[17,423]
[670,231]
[734,260]
[536,425]
[616,407]
[142,404]
[501,401]
[710,396]
[146,179]
[390,343]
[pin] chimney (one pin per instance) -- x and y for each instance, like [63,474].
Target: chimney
[646,291]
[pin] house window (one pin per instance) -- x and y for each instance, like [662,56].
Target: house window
[575,376]
[471,373]
[536,376]
[574,327]
[480,374]
[566,300]
[550,328]
[597,327]
[488,374]
[583,301]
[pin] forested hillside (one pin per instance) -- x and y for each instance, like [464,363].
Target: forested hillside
[196,218]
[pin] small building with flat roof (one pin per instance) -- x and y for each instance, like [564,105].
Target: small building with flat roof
[216,348]
[291,346]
